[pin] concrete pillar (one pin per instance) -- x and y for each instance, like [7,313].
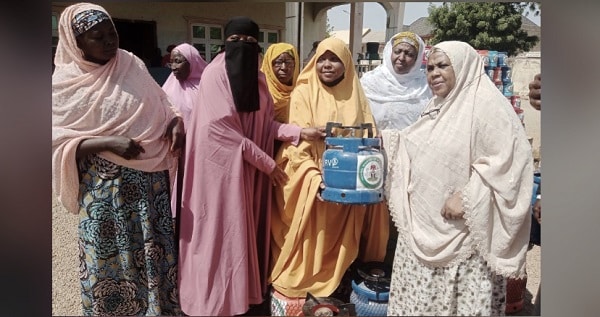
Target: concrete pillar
[356,26]
[395,20]
[291,23]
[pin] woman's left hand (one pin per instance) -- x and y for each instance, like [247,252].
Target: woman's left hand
[176,133]
[453,209]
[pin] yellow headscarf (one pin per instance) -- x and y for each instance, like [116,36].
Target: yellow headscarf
[345,102]
[313,242]
[279,91]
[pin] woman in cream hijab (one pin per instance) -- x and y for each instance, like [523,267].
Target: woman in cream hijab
[459,189]
[314,242]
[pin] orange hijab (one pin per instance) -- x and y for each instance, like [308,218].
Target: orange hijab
[280,92]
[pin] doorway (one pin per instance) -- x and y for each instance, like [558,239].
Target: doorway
[139,37]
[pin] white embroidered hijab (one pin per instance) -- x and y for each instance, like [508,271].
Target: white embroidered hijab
[90,100]
[476,145]
[397,100]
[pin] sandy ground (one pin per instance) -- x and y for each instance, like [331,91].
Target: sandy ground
[66,300]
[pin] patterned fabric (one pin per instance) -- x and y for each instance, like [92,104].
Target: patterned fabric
[282,305]
[85,20]
[469,288]
[127,251]
[410,38]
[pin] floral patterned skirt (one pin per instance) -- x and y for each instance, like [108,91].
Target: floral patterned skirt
[127,250]
[469,288]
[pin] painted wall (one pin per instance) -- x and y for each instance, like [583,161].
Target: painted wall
[172,17]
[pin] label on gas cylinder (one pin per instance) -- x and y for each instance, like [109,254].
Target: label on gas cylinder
[369,172]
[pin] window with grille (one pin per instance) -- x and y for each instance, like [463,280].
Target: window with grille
[207,38]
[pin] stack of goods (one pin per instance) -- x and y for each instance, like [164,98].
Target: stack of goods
[497,69]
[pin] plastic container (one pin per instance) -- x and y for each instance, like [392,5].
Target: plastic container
[506,73]
[507,88]
[502,59]
[497,75]
[493,57]
[499,85]
[484,57]
[490,72]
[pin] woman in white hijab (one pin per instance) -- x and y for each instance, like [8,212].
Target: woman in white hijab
[397,89]
[459,190]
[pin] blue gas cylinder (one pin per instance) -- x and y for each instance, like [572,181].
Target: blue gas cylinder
[353,166]
[371,289]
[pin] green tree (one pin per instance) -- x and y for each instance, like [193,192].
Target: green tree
[328,29]
[484,25]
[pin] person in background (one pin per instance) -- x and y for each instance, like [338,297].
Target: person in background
[397,89]
[314,242]
[228,180]
[156,59]
[459,188]
[535,99]
[312,51]
[281,70]
[535,92]
[114,142]
[181,86]
[167,57]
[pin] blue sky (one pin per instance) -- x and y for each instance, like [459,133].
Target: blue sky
[374,15]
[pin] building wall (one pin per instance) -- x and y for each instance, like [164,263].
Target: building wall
[172,17]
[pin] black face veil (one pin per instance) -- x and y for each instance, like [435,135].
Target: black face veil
[241,63]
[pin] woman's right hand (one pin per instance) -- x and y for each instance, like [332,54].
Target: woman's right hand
[278,176]
[321,187]
[124,146]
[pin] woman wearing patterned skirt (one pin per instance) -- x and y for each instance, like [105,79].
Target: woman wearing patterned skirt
[459,189]
[115,140]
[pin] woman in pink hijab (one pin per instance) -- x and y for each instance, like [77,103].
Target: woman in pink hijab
[228,181]
[114,142]
[181,86]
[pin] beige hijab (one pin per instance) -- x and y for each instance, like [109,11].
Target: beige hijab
[90,100]
[475,145]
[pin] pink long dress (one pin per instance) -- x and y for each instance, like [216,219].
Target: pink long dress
[226,204]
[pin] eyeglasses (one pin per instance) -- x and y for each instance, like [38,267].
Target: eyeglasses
[288,62]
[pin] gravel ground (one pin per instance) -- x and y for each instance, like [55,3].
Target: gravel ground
[66,298]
